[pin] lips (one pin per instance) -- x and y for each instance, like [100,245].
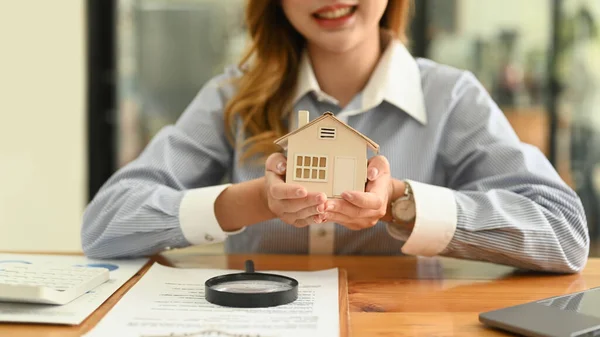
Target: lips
[335,17]
[334,12]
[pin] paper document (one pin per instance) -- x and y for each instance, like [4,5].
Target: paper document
[72,313]
[170,302]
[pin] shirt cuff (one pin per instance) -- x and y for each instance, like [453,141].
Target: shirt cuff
[197,216]
[435,221]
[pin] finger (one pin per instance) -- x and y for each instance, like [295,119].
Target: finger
[368,200]
[313,219]
[293,220]
[381,183]
[280,190]
[350,222]
[276,163]
[376,166]
[348,209]
[342,219]
[314,202]
[301,223]
[307,212]
[381,187]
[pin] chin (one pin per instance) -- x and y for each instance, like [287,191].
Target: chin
[337,44]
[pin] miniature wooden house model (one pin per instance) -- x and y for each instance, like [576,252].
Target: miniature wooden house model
[326,155]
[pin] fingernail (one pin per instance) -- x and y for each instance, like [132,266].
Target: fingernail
[347,195]
[320,198]
[320,209]
[373,173]
[281,166]
[317,219]
[300,192]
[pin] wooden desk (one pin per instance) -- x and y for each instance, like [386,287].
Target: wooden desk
[388,296]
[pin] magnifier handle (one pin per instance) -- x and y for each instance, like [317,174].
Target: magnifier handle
[249,266]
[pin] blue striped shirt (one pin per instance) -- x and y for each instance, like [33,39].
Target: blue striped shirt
[480,193]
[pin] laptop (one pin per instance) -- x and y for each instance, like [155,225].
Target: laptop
[572,315]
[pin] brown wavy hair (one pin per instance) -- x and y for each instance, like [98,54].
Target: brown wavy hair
[265,89]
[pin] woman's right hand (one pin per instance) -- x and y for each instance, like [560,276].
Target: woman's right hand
[291,202]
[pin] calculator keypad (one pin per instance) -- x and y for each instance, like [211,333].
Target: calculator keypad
[58,278]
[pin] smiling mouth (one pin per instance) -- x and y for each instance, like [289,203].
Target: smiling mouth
[335,13]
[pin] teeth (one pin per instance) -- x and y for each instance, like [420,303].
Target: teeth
[334,14]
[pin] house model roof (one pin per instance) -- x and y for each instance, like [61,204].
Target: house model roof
[282,141]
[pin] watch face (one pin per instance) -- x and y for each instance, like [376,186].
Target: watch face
[404,210]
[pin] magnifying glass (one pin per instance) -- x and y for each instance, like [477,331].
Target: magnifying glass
[250,289]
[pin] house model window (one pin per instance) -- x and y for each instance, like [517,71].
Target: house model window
[311,168]
[326,133]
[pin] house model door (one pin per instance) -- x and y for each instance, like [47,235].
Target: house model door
[344,175]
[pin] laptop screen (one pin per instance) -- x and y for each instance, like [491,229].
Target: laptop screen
[586,303]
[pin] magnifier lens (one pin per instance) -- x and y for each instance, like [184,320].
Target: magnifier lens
[251,289]
[251,286]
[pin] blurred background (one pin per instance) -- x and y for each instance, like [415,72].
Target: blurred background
[86,84]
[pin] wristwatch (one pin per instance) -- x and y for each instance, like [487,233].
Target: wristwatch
[403,209]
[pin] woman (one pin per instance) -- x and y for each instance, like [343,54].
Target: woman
[466,185]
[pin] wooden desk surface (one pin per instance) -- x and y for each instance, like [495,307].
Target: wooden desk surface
[388,296]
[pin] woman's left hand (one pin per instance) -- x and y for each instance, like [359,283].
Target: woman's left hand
[358,210]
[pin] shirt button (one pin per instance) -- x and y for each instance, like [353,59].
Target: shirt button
[322,232]
[167,248]
[208,237]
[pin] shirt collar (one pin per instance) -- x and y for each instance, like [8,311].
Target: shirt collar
[396,80]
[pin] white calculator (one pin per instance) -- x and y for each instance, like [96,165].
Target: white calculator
[47,284]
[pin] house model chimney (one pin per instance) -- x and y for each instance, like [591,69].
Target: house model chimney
[302,118]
